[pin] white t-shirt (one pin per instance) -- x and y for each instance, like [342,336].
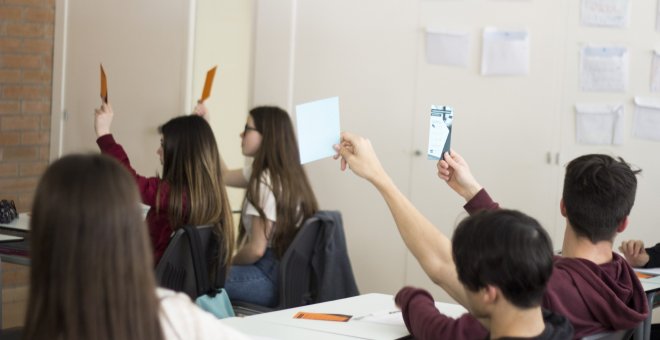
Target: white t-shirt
[266,201]
[181,319]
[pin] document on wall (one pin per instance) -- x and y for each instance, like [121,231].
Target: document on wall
[505,52]
[657,18]
[440,131]
[599,123]
[318,129]
[604,68]
[607,13]
[447,48]
[655,72]
[646,123]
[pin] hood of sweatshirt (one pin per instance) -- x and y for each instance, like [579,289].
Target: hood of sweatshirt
[607,295]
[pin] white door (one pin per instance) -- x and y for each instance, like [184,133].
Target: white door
[362,52]
[145,48]
[504,126]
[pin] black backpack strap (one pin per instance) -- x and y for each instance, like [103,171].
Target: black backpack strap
[199,263]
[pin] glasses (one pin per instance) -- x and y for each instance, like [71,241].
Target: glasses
[249,128]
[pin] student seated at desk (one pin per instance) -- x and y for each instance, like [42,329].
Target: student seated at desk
[593,287]
[191,190]
[504,260]
[91,274]
[640,257]
[278,200]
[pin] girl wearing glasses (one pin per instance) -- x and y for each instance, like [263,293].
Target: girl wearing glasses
[191,190]
[278,199]
[91,274]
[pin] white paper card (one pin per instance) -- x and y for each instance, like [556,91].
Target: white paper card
[599,123]
[318,129]
[440,131]
[646,124]
[608,13]
[505,52]
[447,48]
[655,72]
[604,68]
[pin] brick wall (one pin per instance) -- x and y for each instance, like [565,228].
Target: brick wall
[26,68]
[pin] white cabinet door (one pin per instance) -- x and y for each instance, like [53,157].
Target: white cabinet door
[144,47]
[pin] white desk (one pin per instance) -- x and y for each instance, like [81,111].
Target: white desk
[651,287]
[358,306]
[18,227]
[261,329]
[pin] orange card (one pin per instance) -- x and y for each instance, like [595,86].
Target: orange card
[208,84]
[322,316]
[644,275]
[104,86]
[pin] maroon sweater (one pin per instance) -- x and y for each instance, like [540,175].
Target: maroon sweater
[594,298]
[424,320]
[160,229]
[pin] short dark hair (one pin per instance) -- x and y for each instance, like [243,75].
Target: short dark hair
[599,192]
[506,249]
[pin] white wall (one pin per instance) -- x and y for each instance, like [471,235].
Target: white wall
[223,37]
[371,54]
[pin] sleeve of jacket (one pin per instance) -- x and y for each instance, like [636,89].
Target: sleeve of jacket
[480,201]
[148,186]
[654,256]
[424,321]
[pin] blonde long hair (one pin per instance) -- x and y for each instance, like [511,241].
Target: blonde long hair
[191,167]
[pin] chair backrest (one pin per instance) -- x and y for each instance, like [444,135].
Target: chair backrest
[175,270]
[307,265]
[295,274]
[623,334]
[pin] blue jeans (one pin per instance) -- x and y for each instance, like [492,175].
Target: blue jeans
[255,283]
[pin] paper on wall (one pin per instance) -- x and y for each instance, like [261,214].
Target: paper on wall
[655,72]
[657,18]
[608,13]
[505,52]
[604,68]
[447,48]
[646,124]
[599,123]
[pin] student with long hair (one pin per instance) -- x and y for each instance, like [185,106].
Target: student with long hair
[191,190]
[278,199]
[91,274]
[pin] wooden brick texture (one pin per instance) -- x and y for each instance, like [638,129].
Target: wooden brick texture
[26,55]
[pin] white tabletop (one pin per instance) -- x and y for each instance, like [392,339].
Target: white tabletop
[375,316]
[256,329]
[22,223]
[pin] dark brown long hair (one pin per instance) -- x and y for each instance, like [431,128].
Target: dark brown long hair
[279,155]
[191,167]
[91,275]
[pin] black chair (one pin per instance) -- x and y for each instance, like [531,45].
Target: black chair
[176,270]
[300,281]
[624,334]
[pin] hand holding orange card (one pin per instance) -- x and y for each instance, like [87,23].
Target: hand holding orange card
[104,86]
[208,84]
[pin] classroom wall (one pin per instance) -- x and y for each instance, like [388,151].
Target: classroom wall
[26,53]
[517,132]
[223,37]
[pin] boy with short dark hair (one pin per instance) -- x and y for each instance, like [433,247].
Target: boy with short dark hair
[504,260]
